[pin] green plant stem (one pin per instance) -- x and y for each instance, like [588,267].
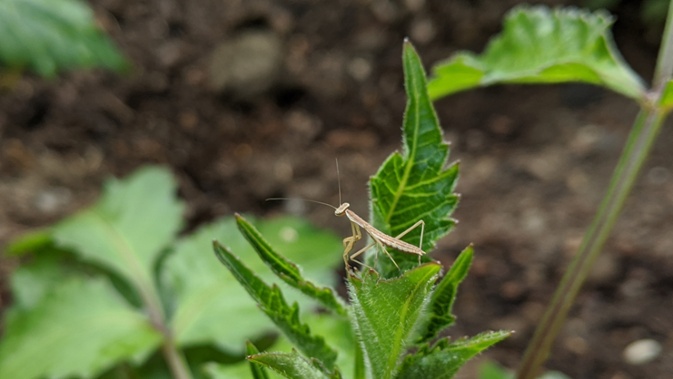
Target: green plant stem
[176,362]
[664,67]
[639,143]
[171,353]
[638,146]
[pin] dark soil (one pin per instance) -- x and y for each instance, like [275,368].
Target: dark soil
[326,83]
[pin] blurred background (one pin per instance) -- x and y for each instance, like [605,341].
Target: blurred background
[250,99]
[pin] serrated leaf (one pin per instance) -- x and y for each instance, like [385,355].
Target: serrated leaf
[207,302]
[538,46]
[127,229]
[444,295]
[273,304]
[258,371]
[290,365]
[79,328]
[415,185]
[288,271]
[385,314]
[51,35]
[444,359]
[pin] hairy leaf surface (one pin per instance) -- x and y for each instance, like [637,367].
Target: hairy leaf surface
[444,295]
[444,359]
[291,365]
[415,185]
[385,314]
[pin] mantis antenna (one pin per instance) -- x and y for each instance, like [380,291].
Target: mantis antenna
[336,161]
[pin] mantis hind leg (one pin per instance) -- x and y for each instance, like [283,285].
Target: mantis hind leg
[418,223]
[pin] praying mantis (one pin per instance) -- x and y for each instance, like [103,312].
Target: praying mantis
[379,238]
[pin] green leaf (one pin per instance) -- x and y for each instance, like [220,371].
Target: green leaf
[36,279]
[29,242]
[385,314]
[272,303]
[414,185]
[539,46]
[207,302]
[79,328]
[291,365]
[232,371]
[287,270]
[258,371]
[444,359]
[491,370]
[51,35]
[127,229]
[444,295]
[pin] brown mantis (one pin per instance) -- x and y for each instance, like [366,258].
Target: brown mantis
[379,238]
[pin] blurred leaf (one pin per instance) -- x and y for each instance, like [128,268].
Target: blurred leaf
[414,185]
[441,304]
[385,314]
[126,230]
[339,332]
[272,303]
[79,328]
[653,13]
[35,279]
[229,371]
[29,242]
[207,302]
[288,271]
[539,46]
[444,359]
[492,370]
[51,35]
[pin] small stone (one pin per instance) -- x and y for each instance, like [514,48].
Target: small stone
[247,65]
[52,200]
[641,351]
[359,68]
